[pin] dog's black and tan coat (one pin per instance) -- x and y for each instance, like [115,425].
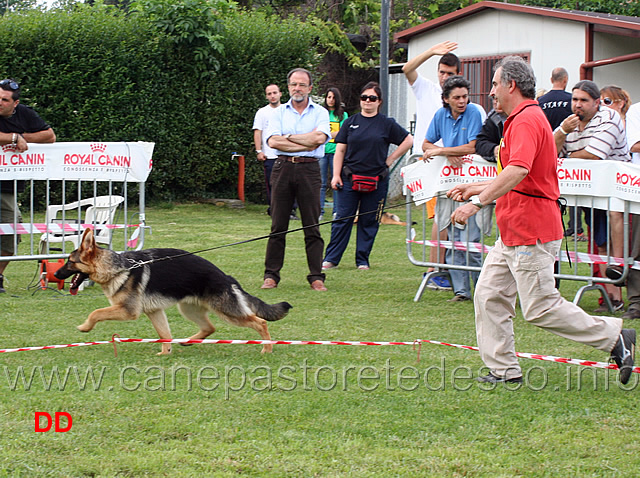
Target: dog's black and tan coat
[152,280]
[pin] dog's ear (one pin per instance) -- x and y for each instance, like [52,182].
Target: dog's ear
[88,244]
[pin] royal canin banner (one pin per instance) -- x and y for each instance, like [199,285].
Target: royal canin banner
[130,162]
[591,183]
[426,180]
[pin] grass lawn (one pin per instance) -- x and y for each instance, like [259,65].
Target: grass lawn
[226,410]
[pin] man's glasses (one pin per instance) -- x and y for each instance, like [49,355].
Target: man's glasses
[371,98]
[301,85]
[608,101]
[12,84]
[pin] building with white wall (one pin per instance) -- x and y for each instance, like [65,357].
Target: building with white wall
[603,48]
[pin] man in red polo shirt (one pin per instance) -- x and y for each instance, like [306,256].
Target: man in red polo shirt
[528,216]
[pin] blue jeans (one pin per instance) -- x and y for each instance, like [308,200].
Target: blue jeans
[326,173]
[367,228]
[460,279]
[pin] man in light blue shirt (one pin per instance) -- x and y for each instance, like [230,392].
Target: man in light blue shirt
[457,123]
[298,132]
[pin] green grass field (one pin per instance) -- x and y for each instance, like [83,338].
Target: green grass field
[305,410]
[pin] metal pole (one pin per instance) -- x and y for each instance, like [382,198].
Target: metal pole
[384,55]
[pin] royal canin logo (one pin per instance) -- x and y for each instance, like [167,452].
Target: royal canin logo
[98,147]
[8,147]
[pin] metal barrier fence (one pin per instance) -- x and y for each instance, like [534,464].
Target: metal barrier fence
[69,187]
[579,259]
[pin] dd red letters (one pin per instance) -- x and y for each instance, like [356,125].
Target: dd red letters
[55,421]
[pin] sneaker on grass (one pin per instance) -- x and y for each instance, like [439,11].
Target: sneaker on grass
[624,352]
[439,283]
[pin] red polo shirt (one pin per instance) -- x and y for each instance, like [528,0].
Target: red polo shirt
[528,143]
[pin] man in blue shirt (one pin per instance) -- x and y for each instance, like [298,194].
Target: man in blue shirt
[457,123]
[298,132]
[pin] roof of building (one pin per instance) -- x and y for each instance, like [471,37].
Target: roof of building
[601,22]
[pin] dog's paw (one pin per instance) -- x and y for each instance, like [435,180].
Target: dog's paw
[85,327]
[267,349]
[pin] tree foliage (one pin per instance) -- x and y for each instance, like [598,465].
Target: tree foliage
[614,7]
[8,6]
[194,26]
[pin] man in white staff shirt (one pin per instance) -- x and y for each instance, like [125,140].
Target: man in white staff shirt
[264,152]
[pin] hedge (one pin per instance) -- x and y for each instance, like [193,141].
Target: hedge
[98,74]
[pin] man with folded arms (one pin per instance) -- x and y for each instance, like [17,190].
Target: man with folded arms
[298,132]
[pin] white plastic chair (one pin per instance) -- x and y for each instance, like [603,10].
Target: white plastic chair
[99,210]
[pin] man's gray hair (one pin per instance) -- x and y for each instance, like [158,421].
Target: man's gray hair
[515,68]
[589,87]
[300,70]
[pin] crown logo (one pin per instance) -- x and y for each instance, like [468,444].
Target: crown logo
[8,147]
[98,147]
[467,159]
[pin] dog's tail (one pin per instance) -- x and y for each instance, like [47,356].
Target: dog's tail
[266,311]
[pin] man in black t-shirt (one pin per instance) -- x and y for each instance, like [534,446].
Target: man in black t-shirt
[19,125]
[556,104]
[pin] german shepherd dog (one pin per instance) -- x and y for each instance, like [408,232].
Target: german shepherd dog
[152,280]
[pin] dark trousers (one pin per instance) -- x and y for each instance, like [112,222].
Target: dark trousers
[633,280]
[348,203]
[267,164]
[291,182]
[574,214]
[268,167]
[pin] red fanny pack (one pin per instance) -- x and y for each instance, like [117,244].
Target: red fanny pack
[364,184]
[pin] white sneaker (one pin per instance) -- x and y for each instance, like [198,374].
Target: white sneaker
[328,265]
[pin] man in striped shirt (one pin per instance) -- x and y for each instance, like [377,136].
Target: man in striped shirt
[593,131]
[596,132]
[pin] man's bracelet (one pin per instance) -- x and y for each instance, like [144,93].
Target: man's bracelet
[562,130]
[14,139]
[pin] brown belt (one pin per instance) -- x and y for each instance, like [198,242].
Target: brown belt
[298,159]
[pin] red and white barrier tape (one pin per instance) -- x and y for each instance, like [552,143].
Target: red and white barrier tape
[54,228]
[417,342]
[49,347]
[583,257]
[547,358]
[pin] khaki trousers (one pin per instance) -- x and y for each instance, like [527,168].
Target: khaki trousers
[528,272]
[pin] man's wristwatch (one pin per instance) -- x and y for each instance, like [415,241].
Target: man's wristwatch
[475,200]
[258,151]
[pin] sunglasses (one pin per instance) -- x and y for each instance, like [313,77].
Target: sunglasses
[12,84]
[369,97]
[608,101]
